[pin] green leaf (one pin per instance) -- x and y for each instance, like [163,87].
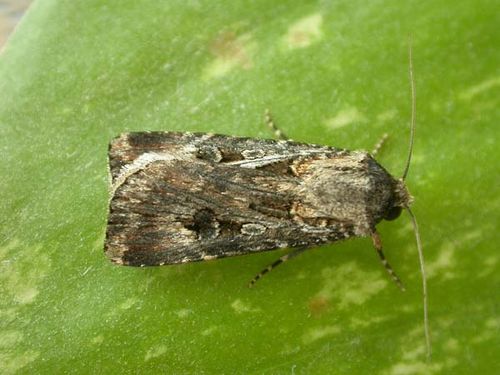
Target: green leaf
[77,73]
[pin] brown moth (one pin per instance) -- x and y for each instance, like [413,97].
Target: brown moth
[185,197]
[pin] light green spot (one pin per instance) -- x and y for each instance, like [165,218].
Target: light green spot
[363,293]
[387,116]
[413,360]
[451,345]
[473,235]
[11,363]
[209,331]
[230,52]
[415,368]
[26,294]
[183,313]
[304,32]
[405,230]
[345,117]
[481,87]
[490,266]
[4,250]
[8,314]
[128,303]
[10,338]
[444,264]
[489,331]
[99,339]
[20,278]
[318,333]
[290,349]
[357,323]
[349,285]
[241,307]
[155,352]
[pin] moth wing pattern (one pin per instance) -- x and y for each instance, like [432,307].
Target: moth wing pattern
[183,197]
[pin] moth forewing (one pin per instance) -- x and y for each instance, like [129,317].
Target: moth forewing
[184,197]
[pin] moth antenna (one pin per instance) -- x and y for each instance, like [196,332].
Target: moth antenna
[424,282]
[413,108]
[275,264]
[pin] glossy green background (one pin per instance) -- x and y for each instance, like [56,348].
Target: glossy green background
[77,73]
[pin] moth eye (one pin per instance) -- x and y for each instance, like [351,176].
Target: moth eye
[393,213]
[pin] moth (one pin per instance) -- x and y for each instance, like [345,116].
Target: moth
[186,197]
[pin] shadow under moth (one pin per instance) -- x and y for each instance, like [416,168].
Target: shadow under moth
[185,197]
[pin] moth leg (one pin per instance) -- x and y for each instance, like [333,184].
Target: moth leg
[377,243]
[270,122]
[379,144]
[284,258]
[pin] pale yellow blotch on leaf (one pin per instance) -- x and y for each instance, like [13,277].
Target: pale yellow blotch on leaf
[405,230]
[452,345]
[26,294]
[241,307]
[489,331]
[155,352]
[99,339]
[415,368]
[386,116]
[10,338]
[366,290]
[345,117]
[230,52]
[21,278]
[318,333]
[183,313]
[473,235]
[444,264]
[413,359]
[128,303]
[304,32]
[348,285]
[357,323]
[210,330]
[489,266]
[11,363]
[8,314]
[481,87]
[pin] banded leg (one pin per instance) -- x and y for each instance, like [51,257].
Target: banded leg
[284,258]
[377,243]
[270,122]
[379,144]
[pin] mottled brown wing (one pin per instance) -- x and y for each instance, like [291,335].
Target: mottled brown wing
[182,197]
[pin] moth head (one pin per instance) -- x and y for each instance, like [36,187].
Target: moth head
[402,199]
